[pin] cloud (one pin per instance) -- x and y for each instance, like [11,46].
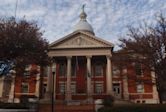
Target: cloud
[109,18]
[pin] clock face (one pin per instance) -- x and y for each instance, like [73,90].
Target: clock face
[5,67]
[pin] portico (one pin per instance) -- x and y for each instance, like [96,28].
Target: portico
[85,81]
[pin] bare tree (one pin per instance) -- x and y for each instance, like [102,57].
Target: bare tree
[149,41]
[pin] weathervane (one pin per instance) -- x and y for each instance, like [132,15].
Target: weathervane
[83,14]
[83,6]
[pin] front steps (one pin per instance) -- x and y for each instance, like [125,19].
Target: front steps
[67,108]
[122,102]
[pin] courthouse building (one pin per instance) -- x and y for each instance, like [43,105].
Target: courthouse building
[84,69]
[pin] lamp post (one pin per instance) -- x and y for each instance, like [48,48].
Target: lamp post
[53,80]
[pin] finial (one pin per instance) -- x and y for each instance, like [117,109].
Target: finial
[83,6]
[83,14]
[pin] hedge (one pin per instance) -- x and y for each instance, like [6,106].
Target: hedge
[13,106]
[135,108]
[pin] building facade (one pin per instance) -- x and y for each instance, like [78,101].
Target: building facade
[85,70]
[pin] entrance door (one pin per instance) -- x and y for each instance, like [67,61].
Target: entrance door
[81,78]
[117,90]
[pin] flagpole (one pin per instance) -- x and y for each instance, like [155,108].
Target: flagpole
[15,13]
[76,66]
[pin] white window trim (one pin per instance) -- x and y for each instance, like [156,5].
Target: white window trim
[137,89]
[74,83]
[98,82]
[64,83]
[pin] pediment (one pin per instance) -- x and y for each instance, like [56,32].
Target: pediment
[80,40]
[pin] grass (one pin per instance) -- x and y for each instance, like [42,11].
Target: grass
[135,108]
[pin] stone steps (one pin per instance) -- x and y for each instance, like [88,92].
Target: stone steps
[67,108]
[122,102]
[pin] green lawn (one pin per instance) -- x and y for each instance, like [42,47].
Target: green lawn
[135,108]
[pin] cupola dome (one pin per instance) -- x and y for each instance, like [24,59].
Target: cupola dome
[83,25]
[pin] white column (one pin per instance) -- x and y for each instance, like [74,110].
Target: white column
[48,89]
[11,94]
[109,76]
[37,84]
[125,87]
[68,83]
[89,91]
[155,93]
[1,86]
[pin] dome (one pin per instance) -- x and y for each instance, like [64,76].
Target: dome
[83,25]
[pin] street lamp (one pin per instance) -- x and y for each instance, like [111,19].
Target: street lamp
[53,80]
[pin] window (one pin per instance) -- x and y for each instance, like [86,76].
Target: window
[62,69]
[73,88]
[62,88]
[27,67]
[143,101]
[44,88]
[140,87]
[98,88]
[138,101]
[74,70]
[24,87]
[98,70]
[116,88]
[26,74]
[116,71]
[138,69]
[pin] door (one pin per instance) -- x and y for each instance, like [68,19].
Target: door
[81,78]
[117,90]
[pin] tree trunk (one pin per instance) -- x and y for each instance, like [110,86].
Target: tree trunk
[158,84]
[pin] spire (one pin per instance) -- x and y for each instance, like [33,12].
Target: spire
[83,15]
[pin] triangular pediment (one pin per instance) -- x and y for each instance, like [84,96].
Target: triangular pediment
[80,40]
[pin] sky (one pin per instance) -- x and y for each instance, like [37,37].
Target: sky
[109,18]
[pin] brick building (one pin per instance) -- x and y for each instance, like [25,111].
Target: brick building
[85,70]
[24,86]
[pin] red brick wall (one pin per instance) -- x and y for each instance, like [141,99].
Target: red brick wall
[132,79]
[31,80]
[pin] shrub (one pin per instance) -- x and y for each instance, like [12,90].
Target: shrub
[13,106]
[108,101]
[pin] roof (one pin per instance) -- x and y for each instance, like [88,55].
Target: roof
[96,41]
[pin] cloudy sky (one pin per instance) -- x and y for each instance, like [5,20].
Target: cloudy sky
[108,18]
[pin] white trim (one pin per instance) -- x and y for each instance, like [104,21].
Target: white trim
[138,85]
[1,86]
[37,85]
[25,94]
[155,93]
[147,101]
